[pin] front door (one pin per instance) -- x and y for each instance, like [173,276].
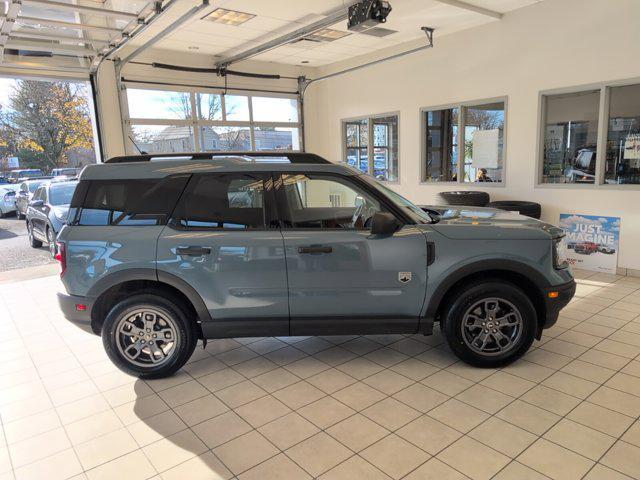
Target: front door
[343,279]
[224,241]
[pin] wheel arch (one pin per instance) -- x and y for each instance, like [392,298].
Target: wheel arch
[531,281]
[119,285]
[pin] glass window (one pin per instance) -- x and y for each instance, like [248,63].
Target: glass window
[317,201]
[269,109]
[209,106]
[623,136]
[236,107]
[223,201]
[570,137]
[230,139]
[131,202]
[159,104]
[385,148]
[357,138]
[483,142]
[61,194]
[441,145]
[276,138]
[163,138]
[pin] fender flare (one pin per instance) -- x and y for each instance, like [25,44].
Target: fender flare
[505,265]
[121,276]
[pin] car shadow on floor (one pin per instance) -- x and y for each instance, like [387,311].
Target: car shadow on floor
[5,234]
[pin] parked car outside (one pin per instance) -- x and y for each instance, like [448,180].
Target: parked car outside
[25,194]
[7,199]
[3,180]
[606,249]
[47,213]
[158,252]
[16,176]
[66,172]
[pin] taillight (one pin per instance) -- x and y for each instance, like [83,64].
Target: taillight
[61,256]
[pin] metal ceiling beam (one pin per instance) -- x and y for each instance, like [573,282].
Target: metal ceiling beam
[8,22]
[472,8]
[59,23]
[332,18]
[98,11]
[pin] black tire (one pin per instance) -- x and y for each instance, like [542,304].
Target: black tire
[463,197]
[21,216]
[171,308]
[32,240]
[530,209]
[51,242]
[468,296]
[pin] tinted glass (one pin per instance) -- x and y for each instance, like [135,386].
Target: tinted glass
[34,185]
[233,201]
[316,201]
[131,202]
[61,194]
[571,137]
[623,137]
[441,145]
[483,142]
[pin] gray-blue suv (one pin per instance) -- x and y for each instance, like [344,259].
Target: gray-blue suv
[160,251]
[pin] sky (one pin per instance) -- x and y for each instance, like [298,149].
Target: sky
[5,90]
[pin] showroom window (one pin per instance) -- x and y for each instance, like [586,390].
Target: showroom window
[173,121]
[477,126]
[378,158]
[591,136]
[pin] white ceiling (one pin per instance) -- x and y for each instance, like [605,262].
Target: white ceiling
[276,17]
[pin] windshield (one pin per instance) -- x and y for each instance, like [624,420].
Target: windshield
[61,194]
[31,173]
[34,185]
[416,212]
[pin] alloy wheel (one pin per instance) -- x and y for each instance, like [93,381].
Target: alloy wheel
[492,326]
[52,242]
[147,337]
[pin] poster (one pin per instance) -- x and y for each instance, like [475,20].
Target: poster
[485,148]
[591,241]
[632,147]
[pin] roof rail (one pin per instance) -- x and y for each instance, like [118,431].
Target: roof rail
[293,157]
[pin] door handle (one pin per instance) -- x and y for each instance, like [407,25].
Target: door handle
[193,251]
[315,249]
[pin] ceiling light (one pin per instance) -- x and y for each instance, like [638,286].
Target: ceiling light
[228,17]
[326,35]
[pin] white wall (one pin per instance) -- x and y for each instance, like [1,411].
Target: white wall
[552,44]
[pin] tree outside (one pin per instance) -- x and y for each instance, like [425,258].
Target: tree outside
[46,125]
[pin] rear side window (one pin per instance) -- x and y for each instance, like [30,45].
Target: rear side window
[129,202]
[229,201]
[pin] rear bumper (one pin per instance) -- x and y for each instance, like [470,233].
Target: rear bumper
[69,306]
[553,305]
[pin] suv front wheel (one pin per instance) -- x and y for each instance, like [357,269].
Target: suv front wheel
[490,324]
[148,336]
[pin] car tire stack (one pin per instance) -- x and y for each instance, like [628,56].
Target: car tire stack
[530,209]
[464,197]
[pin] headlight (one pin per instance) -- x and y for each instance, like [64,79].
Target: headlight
[559,254]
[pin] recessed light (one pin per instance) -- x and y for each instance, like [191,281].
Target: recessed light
[193,47]
[228,17]
[327,35]
[304,61]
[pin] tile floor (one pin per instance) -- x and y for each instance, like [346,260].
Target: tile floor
[373,407]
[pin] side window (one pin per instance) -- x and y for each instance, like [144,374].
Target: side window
[229,201]
[131,202]
[327,202]
[38,194]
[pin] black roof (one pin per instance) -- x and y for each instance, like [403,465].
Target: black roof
[294,157]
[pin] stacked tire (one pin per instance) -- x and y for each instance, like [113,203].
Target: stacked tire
[530,209]
[468,198]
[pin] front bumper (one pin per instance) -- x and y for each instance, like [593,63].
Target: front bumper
[69,306]
[555,303]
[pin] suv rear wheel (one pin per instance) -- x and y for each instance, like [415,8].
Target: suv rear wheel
[32,240]
[148,336]
[490,324]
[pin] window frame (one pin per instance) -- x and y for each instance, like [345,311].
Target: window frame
[462,107]
[371,141]
[604,89]
[197,123]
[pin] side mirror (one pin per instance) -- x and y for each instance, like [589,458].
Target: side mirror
[383,223]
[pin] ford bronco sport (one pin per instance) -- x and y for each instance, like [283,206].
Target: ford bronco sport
[160,251]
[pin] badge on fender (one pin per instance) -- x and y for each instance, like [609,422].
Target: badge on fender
[404,277]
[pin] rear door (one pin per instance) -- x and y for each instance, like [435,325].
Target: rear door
[343,279]
[224,240]
[39,211]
